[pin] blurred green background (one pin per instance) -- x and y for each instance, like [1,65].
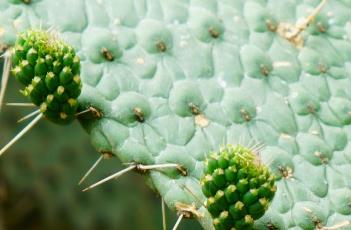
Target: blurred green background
[39,176]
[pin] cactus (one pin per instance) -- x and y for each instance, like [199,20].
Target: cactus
[167,82]
[38,185]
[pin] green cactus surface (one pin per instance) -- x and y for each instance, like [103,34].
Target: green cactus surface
[173,80]
[38,184]
[237,186]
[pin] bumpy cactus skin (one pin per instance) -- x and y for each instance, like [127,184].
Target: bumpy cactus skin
[45,182]
[175,80]
[237,186]
[49,69]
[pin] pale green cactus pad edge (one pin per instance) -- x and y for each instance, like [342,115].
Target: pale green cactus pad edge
[247,83]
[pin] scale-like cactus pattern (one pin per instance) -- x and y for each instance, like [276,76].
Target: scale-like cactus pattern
[175,80]
[38,185]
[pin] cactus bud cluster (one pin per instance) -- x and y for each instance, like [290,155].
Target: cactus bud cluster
[238,188]
[49,69]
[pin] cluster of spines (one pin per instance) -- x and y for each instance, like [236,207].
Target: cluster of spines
[238,188]
[49,69]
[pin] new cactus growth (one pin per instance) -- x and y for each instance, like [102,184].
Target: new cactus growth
[238,187]
[50,71]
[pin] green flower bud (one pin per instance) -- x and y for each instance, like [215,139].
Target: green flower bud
[60,94]
[219,178]
[40,68]
[32,56]
[231,194]
[66,75]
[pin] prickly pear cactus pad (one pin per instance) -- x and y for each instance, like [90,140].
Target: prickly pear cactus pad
[175,80]
[49,69]
[237,186]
